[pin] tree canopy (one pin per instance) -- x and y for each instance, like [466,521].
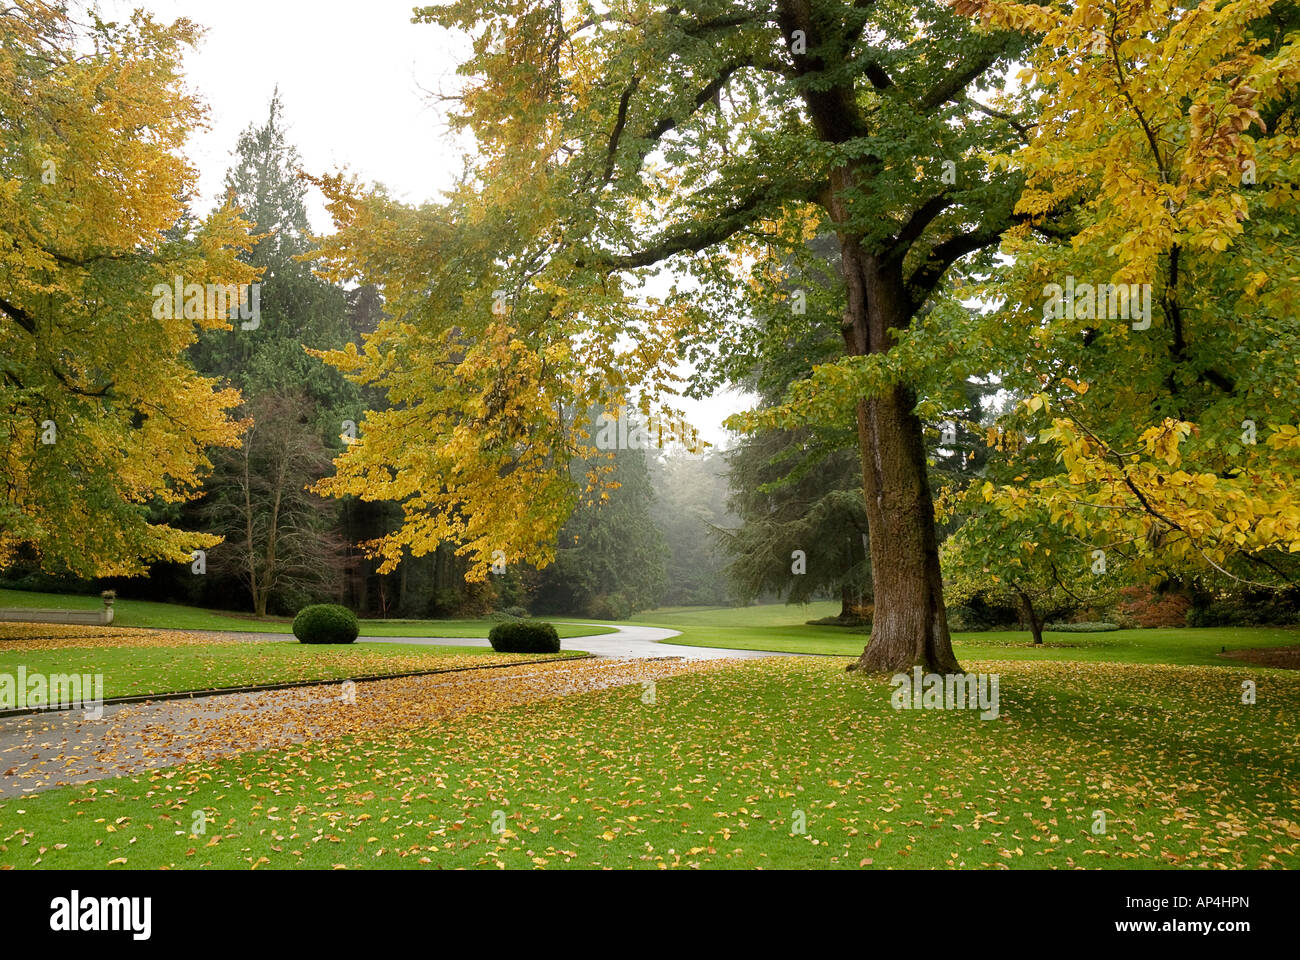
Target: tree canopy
[100,412]
[1164,436]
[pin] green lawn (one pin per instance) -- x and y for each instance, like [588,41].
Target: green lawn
[781,628]
[757,615]
[174,616]
[722,769]
[131,671]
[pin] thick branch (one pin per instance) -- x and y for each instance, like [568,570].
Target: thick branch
[955,81]
[927,276]
[620,121]
[667,122]
[921,218]
[704,233]
[878,77]
[19,316]
[1021,128]
[71,387]
[707,95]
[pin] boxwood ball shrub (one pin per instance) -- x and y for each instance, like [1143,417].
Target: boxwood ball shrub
[525,636]
[326,623]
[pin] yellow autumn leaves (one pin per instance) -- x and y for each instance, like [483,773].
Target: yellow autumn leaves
[101,411]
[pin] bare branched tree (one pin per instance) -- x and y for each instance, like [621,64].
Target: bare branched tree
[278,537]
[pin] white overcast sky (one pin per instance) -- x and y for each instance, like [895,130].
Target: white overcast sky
[355,79]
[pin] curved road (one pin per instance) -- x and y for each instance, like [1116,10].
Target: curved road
[639,642]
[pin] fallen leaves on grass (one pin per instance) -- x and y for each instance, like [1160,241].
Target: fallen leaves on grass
[130,671]
[52,636]
[711,773]
[66,748]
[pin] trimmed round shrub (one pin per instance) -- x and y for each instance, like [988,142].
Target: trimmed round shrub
[326,623]
[524,636]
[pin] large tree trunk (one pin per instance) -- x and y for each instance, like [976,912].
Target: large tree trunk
[910,624]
